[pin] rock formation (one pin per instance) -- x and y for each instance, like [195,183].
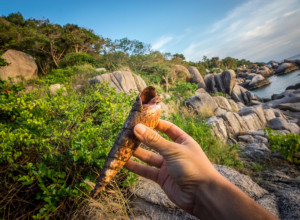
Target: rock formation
[21,66]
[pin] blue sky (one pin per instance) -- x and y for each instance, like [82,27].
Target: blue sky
[258,30]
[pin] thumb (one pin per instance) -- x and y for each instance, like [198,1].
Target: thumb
[152,139]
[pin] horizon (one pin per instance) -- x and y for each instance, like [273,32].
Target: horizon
[253,30]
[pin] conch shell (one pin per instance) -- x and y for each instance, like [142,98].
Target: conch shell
[146,110]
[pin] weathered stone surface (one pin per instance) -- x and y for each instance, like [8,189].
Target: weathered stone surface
[228,79]
[53,89]
[201,100]
[234,124]
[210,83]
[268,201]
[256,152]
[258,110]
[286,68]
[219,83]
[245,183]
[257,82]
[289,203]
[123,81]
[240,94]
[152,192]
[295,107]
[22,66]
[144,210]
[196,77]
[293,97]
[252,121]
[234,105]
[269,114]
[220,111]
[279,124]
[218,128]
[222,102]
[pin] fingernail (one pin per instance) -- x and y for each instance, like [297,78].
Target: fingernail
[140,129]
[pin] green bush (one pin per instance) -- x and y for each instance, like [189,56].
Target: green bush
[3,62]
[217,151]
[72,59]
[287,144]
[183,90]
[49,146]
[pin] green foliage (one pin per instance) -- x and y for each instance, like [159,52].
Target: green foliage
[183,90]
[219,94]
[51,144]
[72,59]
[217,151]
[3,62]
[287,144]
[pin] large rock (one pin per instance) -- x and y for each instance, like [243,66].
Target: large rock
[218,128]
[219,83]
[222,103]
[240,94]
[196,77]
[22,66]
[180,73]
[286,68]
[228,78]
[123,81]
[292,97]
[202,102]
[258,110]
[294,107]
[210,83]
[257,82]
[234,124]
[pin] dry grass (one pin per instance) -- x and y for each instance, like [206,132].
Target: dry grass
[109,204]
[206,111]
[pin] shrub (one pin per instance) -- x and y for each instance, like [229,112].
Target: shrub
[183,90]
[51,145]
[72,59]
[3,62]
[287,144]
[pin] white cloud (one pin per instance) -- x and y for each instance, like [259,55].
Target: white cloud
[162,41]
[256,30]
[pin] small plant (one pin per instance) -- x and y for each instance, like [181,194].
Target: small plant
[287,144]
[257,167]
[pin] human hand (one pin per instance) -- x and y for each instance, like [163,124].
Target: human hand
[182,165]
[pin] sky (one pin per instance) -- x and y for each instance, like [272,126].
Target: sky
[256,30]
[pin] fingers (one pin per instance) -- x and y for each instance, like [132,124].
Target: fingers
[149,157]
[142,170]
[173,132]
[152,139]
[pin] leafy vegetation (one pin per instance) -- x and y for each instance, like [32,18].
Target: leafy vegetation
[51,145]
[287,144]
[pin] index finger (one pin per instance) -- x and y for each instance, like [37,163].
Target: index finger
[173,132]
